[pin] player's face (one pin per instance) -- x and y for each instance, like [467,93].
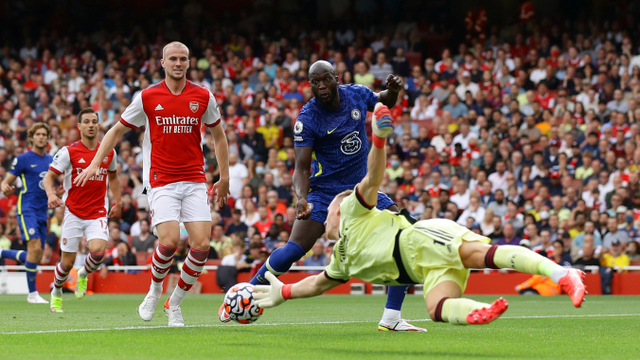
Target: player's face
[332,224]
[324,86]
[40,138]
[89,126]
[176,62]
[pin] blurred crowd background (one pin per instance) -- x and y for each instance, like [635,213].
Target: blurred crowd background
[519,120]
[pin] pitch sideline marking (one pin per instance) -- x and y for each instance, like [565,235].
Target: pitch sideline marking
[299,323]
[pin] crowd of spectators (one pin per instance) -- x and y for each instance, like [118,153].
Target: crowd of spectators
[530,137]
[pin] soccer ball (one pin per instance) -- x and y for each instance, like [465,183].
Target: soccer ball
[239,304]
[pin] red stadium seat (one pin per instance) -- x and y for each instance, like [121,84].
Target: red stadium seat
[213,262]
[141,257]
[415,58]
[10,262]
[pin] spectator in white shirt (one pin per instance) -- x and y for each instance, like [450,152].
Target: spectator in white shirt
[462,196]
[539,73]
[474,211]
[238,175]
[423,109]
[75,81]
[381,69]
[499,178]
[464,136]
[51,74]
[467,85]
[291,63]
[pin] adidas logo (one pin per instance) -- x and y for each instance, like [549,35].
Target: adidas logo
[81,161]
[159,107]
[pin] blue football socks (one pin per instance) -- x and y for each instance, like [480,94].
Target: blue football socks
[17,255]
[279,262]
[31,275]
[395,297]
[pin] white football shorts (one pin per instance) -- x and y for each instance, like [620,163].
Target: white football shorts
[73,228]
[182,202]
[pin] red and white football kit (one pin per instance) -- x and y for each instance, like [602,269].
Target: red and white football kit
[173,162]
[86,207]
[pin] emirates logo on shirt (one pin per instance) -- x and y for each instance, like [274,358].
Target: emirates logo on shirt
[194,106]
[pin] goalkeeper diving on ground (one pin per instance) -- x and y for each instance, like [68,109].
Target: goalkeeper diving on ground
[383,247]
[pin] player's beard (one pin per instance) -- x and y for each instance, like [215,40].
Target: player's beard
[330,99]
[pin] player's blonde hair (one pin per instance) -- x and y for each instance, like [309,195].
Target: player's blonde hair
[173,44]
[36,127]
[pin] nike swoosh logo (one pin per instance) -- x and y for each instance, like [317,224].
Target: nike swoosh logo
[329,132]
[33,166]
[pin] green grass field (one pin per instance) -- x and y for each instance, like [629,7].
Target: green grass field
[329,327]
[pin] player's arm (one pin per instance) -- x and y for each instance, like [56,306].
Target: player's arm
[222,155]
[382,125]
[7,184]
[275,294]
[52,198]
[302,180]
[108,143]
[389,97]
[114,186]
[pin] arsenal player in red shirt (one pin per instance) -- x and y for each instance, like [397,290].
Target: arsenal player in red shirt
[85,206]
[173,112]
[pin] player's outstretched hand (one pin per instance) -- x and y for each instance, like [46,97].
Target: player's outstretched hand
[382,122]
[268,296]
[91,170]
[54,201]
[8,190]
[222,191]
[303,209]
[394,83]
[115,212]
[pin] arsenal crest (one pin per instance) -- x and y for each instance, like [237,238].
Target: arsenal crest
[194,106]
[105,160]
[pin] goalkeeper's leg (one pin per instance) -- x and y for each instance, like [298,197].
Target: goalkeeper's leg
[475,254]
[445,305]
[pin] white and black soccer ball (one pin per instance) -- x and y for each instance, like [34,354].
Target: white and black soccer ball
[239,303]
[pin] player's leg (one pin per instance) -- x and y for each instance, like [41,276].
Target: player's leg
[478,255]
[98,233]
[199,237]
[445,305]
[303,235]
[61,273]
[34,255]
[196,216]
[164,203]
[15,255]
[392,315]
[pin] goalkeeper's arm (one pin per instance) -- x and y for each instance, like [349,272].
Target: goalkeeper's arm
[275,294]
[382,125]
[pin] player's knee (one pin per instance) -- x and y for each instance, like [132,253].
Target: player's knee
[67,263]
[97,246]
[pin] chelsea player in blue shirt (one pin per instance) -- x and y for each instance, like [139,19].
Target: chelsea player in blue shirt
[331,156]
[31,167]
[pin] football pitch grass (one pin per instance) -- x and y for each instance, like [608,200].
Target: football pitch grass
[328,327]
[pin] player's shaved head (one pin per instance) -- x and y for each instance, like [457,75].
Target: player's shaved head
[324,84]
[174,44]
[321,67]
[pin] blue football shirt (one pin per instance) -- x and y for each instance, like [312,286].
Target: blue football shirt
[31,169]
[338,138]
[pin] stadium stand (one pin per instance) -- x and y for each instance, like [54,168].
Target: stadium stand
[544,112]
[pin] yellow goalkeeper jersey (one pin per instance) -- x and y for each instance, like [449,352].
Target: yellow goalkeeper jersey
[367,239]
